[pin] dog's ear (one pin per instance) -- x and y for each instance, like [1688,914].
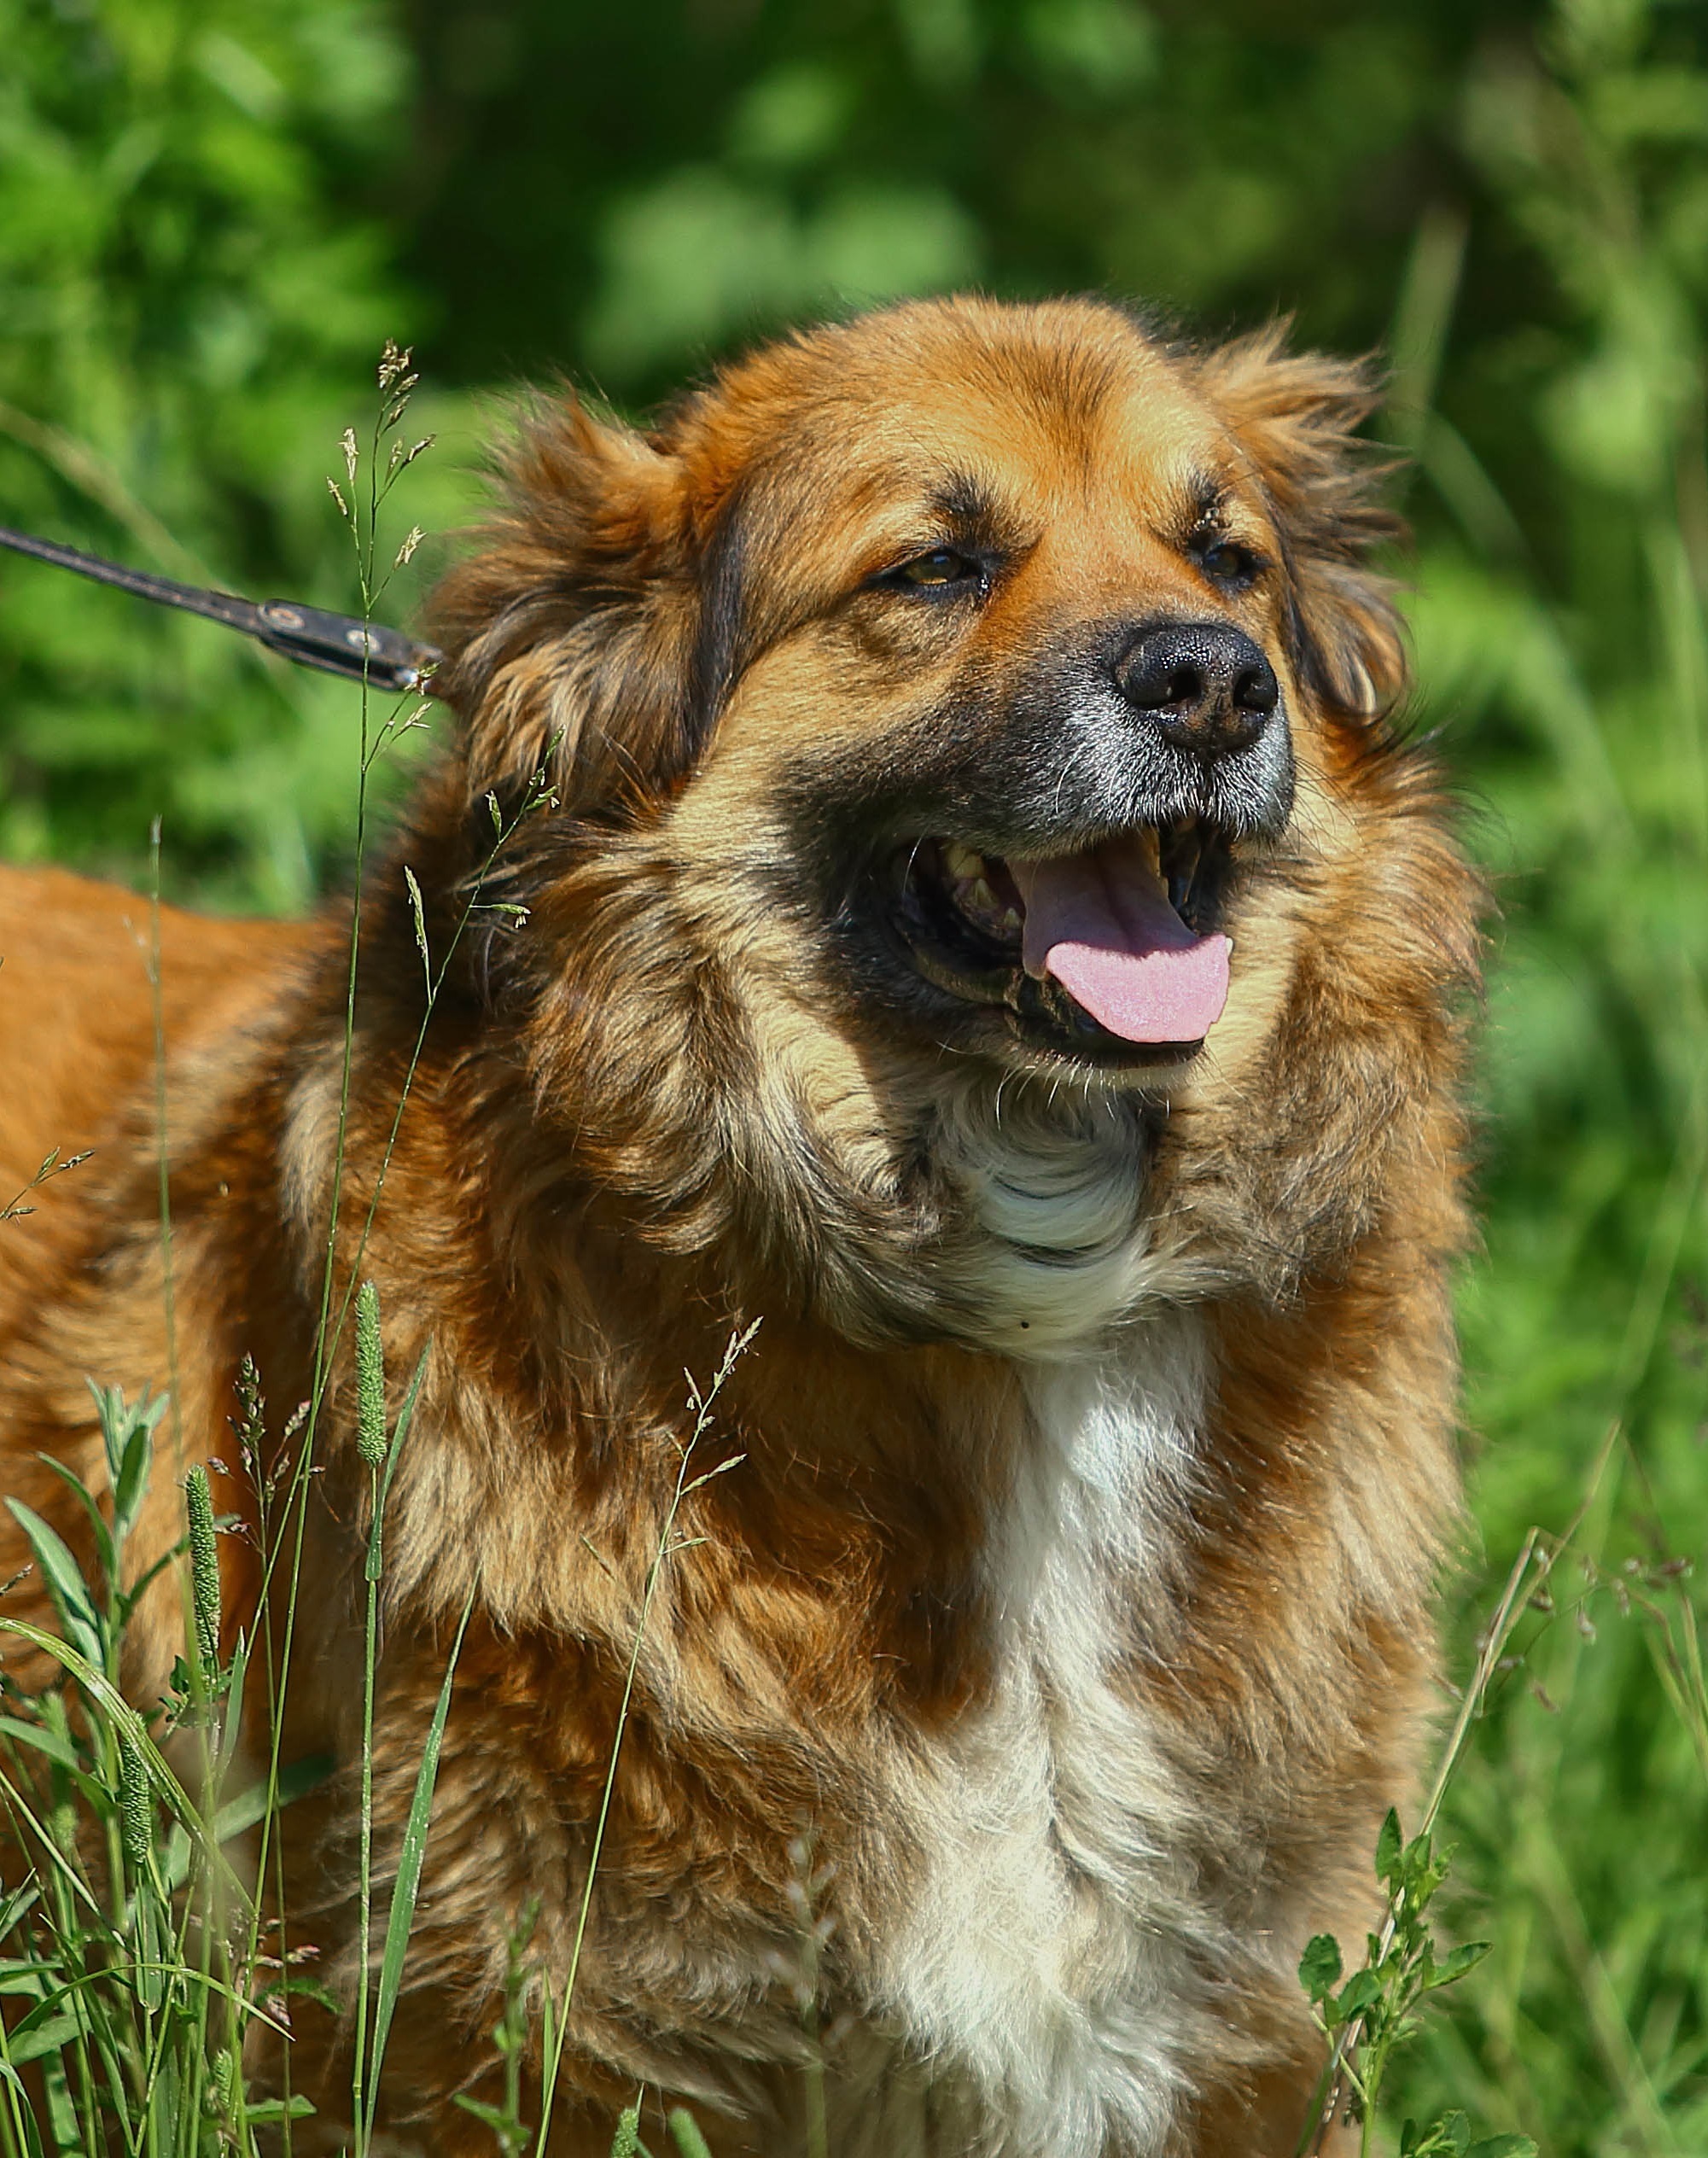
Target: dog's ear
[1294,414]
[589,636]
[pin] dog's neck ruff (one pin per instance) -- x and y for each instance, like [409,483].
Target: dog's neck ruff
[1055,1246]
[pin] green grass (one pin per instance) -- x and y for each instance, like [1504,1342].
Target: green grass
[1566,660]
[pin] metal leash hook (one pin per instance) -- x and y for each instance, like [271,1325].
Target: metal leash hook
[337,644]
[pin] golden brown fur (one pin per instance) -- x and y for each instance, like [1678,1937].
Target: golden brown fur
[1072,1594]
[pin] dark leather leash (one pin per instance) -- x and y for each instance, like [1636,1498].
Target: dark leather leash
[337,643]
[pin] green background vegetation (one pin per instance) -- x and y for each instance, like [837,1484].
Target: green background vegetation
[211,213]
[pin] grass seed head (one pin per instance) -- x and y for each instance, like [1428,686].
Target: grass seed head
[136,1809]
[204,1569]
[370,1378]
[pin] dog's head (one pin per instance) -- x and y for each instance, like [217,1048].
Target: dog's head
[965,728]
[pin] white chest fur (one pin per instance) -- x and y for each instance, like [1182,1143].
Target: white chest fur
[1045,1967]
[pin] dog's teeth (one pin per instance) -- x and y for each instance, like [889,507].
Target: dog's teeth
[961,862]
[979,903]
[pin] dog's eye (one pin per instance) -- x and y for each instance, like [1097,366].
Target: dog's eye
[1227,562]
[937,571]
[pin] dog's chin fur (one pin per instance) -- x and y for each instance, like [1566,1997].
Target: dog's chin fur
[1032,1685]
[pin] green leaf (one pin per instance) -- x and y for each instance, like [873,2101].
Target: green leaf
[401,1915]
[249,1808]
[47,2036]
[132,1488]
[237,1673]
[494,2117]
[63,2125]
[1502,2147]
[105,1549]
[295,2108]
[118,1710]
[60,1751]
[65,1581]
[23,1899]
[1389,1848]
[294,1783]
[46,2027]
[1423,1871]
[109,1407]
[1455,1963]
[133,1595]
[1361,1991]
[51,1743]
[127,1431]
[1320,1966]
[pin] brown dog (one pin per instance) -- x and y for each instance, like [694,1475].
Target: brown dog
[983,928]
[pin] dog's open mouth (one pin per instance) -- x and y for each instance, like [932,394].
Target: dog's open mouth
[1111,954]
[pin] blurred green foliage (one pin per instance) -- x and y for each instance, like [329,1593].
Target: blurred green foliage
[187,312]
[636,187]
[211,211]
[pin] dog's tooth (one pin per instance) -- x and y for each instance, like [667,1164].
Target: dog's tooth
[961,862]
[979,894]
[1012,920]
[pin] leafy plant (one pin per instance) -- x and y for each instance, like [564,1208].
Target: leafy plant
[1380,2001]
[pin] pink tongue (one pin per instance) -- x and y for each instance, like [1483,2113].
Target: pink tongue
[1102,924]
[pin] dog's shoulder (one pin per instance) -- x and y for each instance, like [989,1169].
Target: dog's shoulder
[80,962]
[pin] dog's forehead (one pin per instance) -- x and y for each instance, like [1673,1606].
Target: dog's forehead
[1035,405]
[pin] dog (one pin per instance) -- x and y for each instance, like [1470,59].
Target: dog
[924,863]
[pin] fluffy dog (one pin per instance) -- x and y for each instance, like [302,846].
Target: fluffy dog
[980,923]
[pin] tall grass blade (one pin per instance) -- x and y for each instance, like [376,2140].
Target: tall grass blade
[401,1916]
[22,2113]
[119,1711]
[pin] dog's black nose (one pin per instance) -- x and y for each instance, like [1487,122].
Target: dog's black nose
[1205,687]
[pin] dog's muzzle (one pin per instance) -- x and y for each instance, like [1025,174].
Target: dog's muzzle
[1178,719]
